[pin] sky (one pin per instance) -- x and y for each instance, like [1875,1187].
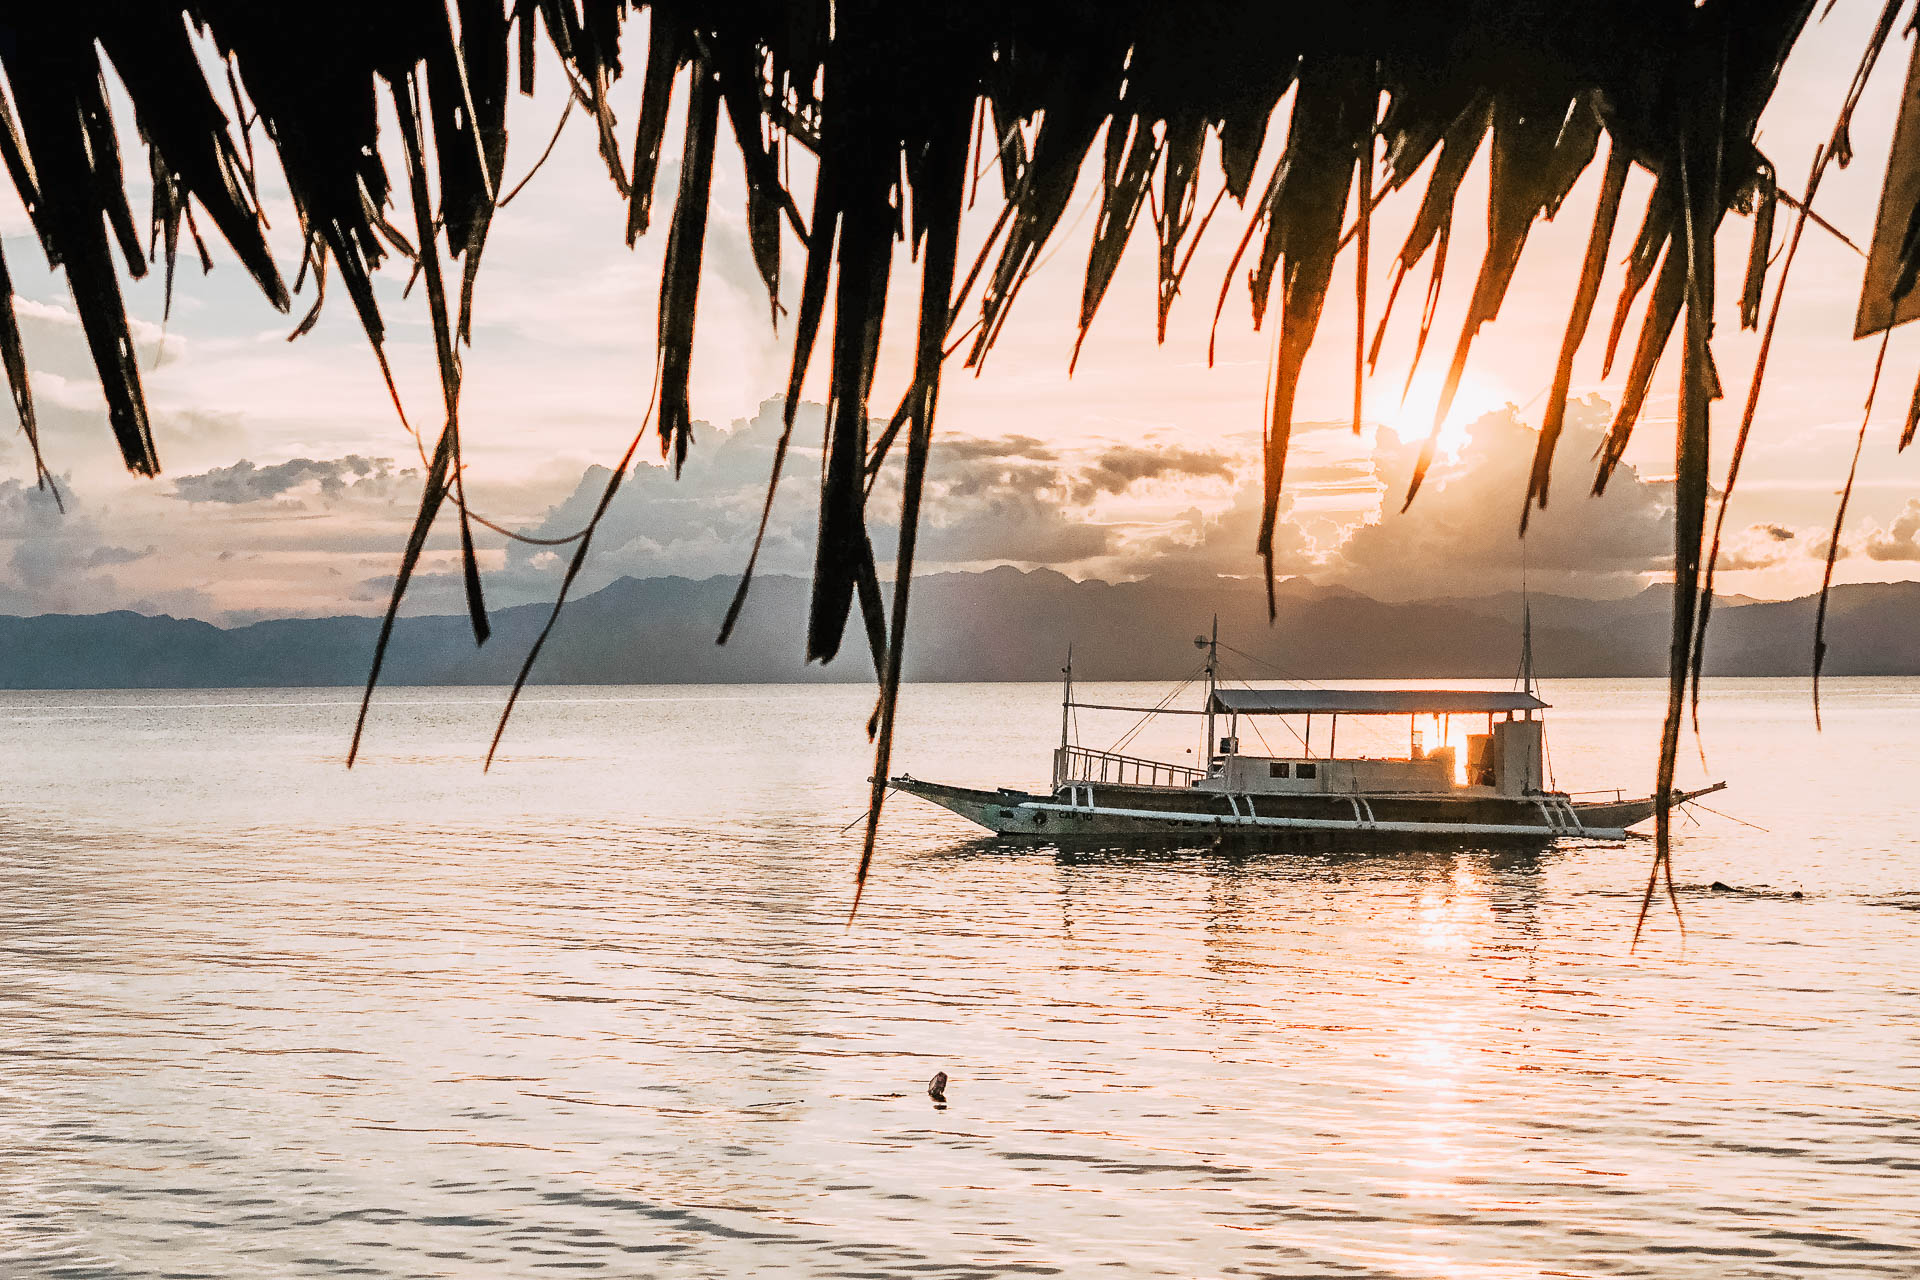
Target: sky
[289,483]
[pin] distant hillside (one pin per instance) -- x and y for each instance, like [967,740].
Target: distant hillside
[1000,625]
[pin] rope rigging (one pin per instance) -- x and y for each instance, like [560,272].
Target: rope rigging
[1134,732]
[1279,673]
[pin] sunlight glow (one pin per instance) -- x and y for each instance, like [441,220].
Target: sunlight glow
[1412,418]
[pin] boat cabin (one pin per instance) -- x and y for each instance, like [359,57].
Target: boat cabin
[1505,760]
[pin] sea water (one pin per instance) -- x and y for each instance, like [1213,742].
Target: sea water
[600,1011]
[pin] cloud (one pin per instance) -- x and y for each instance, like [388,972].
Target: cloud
[1817,549]
[1460,537]
[102,556]
[56,559]
[55,342]
[1118,470]
[26,510]
[332,479]
[1223,545]
[992,502]
[979,449]
[1758,546]
[1015,499]
[701,525]
[1900,540]
[1018,514]
[989,500]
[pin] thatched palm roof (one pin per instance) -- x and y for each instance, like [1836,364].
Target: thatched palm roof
[898,101]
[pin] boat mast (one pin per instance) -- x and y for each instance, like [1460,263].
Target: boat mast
[1066,699]
[1212,645]
[1526,624]
[1526,646]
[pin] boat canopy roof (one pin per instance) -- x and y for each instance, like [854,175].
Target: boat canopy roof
[1370,702]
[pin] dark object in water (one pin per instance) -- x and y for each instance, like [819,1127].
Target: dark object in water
[1718,887]
[937,1087]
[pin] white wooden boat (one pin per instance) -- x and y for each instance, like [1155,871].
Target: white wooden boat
[1501,795]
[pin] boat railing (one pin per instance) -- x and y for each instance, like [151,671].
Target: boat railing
[1616,793]
[1083,764]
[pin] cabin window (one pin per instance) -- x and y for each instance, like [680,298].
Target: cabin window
[1306,770]
[1279,769]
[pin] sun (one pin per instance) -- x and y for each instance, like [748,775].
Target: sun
[1412,418]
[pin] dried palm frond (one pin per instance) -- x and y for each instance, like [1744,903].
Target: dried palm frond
[899,104]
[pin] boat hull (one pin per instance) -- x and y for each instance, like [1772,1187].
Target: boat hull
[1103,813]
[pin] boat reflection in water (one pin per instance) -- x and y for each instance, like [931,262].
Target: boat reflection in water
[1311,799]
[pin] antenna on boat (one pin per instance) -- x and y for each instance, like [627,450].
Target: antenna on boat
[1526,661]
[1066,698]
[1211,644]
[1526,623]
